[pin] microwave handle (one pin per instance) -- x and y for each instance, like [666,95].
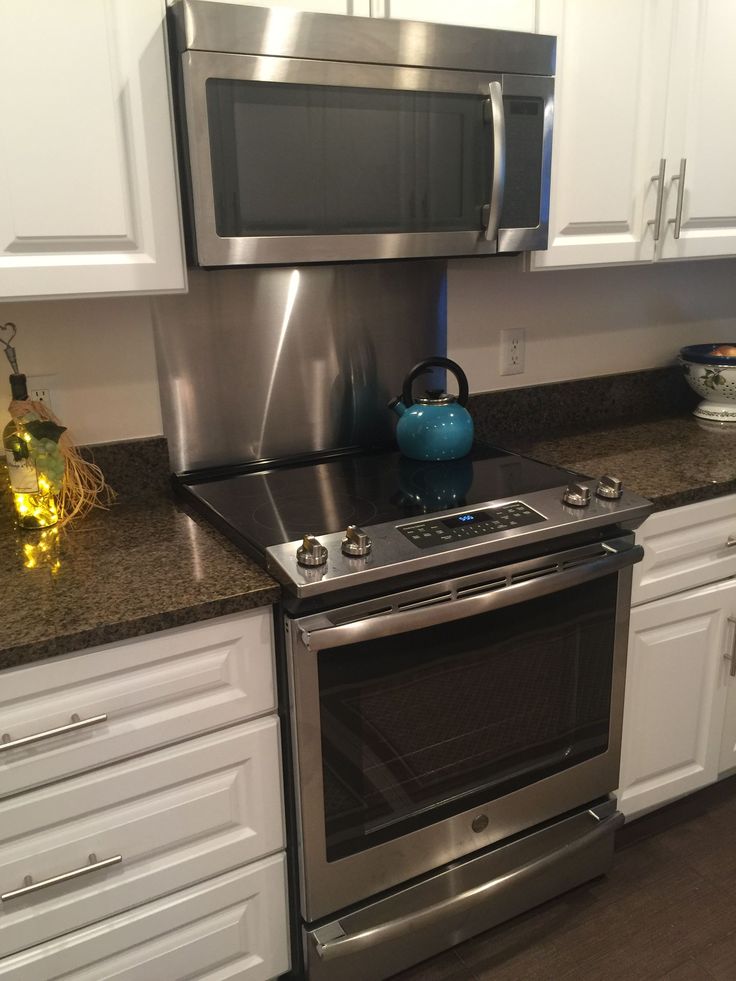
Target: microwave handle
[498,161]
[390,624]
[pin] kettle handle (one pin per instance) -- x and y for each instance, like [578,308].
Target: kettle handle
[425,366]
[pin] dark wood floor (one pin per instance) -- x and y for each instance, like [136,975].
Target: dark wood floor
[667,910]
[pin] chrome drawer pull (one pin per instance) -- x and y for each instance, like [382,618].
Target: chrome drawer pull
[731,541]
[30,886]
[76,723]
[732,656]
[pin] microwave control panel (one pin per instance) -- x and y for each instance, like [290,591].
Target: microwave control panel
[473,524]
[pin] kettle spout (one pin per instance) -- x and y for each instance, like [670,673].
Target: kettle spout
[398,406]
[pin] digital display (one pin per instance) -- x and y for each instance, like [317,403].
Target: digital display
[465,519]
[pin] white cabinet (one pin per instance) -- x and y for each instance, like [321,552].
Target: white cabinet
[90,200]
[675,695]
[641,85]
[506,15]
[679,729]
[701,129]
[167,809]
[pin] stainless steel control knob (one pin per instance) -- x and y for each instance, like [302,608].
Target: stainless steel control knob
[609,487]
[356,542]
[578,495]
[311,552]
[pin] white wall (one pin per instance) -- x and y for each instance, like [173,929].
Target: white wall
[578,323]
[583,322]
[100,356]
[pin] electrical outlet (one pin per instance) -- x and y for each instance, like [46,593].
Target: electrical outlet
[512,353]
[39,389]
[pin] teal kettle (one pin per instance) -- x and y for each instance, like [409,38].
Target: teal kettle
[436,426]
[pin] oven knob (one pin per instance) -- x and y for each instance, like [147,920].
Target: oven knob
[609,487]
[356,542]
[311,552]
[578,495]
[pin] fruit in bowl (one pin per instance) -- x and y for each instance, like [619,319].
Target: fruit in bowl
[710,370]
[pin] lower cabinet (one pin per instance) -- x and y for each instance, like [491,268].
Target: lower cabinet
[232,926]
[677,688]
[144,839]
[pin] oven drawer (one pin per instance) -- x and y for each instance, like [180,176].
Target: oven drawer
[234,926]
[78,712]
[686,547]
[172,818]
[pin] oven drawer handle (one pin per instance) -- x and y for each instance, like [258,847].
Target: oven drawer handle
[389,624]
[337,945]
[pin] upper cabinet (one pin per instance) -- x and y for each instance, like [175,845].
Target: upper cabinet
[88,168]
[506,15]
[642,152]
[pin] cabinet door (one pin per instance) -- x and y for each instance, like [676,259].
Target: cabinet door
[610,94]
[727,762]
[87,167]
[505,15]
[701,128]
[675,696]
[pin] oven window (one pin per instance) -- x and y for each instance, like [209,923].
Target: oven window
[422,725]
[292,159]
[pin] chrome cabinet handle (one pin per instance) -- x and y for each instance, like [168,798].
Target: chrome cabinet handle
[677,220]
[731,541]
[76,723]
[732,656]
[657,220]
[492,211]
[30,886]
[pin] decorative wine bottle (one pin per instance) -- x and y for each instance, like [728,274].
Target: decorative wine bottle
[32,488]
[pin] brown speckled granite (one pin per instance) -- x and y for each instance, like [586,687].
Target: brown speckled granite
[143,566]
[504,417]
[671,461]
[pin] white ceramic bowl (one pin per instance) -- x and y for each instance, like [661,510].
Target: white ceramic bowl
[713,377]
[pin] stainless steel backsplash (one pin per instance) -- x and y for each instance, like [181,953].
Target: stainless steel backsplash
[266,363]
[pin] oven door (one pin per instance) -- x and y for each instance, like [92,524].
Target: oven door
[295,160]
[435,722]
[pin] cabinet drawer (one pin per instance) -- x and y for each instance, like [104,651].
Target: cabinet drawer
[155,691]
[684,548]
[177,816]
[233,926]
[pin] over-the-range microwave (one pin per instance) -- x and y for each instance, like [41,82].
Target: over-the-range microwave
[325,138]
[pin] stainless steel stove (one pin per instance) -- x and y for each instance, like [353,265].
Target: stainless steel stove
[453,650]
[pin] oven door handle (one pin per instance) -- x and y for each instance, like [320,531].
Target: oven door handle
[449,609]
[331,942]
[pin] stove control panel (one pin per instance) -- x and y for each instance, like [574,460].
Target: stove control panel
[474,524]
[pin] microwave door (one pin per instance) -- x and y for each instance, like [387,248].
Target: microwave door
[307,161]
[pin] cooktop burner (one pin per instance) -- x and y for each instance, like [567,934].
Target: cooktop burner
[280,504]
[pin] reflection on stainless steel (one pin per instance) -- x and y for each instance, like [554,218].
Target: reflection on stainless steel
[266,363]
[283,33]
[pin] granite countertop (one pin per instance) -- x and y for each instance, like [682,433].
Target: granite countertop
[145,565]
[141,566]
[673,461]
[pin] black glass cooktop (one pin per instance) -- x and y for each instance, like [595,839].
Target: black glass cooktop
[281,503]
